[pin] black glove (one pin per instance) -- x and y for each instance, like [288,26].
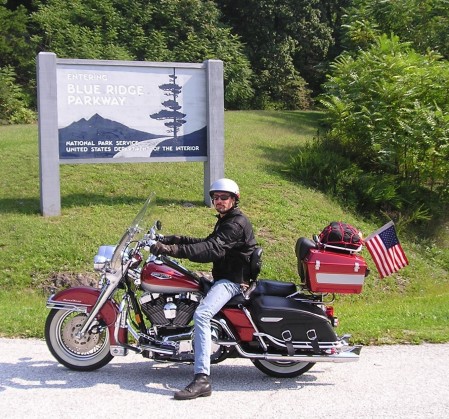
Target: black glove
[164,249]
[170,239]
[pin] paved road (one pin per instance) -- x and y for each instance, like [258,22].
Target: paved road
[387,382]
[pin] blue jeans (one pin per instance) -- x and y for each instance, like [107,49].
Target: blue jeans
[220,293]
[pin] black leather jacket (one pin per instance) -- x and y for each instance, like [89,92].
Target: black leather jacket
[228,247]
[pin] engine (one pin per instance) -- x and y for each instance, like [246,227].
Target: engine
[172,315]
[169,310]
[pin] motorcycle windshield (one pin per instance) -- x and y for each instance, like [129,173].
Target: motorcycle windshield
[130,233]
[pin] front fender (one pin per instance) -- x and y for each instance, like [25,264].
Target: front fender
[83,299]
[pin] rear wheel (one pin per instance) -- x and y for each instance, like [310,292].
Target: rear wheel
[282,369]
[86,353]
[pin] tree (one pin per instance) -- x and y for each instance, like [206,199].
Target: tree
[16,48]
[286,43]
[168,30]
[424,23]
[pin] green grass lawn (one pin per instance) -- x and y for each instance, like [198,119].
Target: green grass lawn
[99,201]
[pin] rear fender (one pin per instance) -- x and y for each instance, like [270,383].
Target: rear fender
[83,299]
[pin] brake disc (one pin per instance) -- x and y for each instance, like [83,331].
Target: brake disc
[72,339]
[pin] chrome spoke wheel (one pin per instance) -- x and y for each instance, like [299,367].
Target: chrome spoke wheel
[79,352]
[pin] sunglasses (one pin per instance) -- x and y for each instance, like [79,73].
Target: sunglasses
[222,197]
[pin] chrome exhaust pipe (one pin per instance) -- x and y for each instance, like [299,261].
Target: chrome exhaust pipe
[349,354]
[157,350]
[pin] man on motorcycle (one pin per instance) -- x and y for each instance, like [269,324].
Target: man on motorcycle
[229,248]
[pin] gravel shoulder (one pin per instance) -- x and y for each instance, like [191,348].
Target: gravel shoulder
[398,381]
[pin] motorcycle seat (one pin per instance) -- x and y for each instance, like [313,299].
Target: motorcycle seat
[265,287]
[275,288]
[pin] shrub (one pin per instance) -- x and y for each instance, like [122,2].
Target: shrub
[388,113]
[13,102]
[323,164]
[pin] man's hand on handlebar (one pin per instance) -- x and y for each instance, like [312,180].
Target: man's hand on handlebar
[164,249]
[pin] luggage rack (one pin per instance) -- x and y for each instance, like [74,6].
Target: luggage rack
[339,248]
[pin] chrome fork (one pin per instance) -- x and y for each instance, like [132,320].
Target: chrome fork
[112,281]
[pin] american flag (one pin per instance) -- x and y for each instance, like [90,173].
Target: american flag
[386,250]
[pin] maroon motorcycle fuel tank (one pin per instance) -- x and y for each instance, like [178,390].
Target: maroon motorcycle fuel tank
[161,278]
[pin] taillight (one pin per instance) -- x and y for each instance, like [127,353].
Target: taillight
[330,315]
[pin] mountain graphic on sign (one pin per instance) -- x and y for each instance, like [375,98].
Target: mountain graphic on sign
[99,128]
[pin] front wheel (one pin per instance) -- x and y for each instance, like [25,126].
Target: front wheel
[282,369]
[86,353]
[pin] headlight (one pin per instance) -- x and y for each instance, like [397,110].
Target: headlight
[103,255]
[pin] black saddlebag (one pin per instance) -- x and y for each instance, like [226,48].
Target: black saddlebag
[286,318]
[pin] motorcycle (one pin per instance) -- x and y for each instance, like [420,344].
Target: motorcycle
[145,304]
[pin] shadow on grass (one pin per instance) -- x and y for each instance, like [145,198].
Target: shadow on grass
[30,206]
[277,159]
[305,123]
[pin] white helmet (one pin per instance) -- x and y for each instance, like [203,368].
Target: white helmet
[225,185]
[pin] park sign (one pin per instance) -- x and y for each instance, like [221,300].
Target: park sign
[98,111]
